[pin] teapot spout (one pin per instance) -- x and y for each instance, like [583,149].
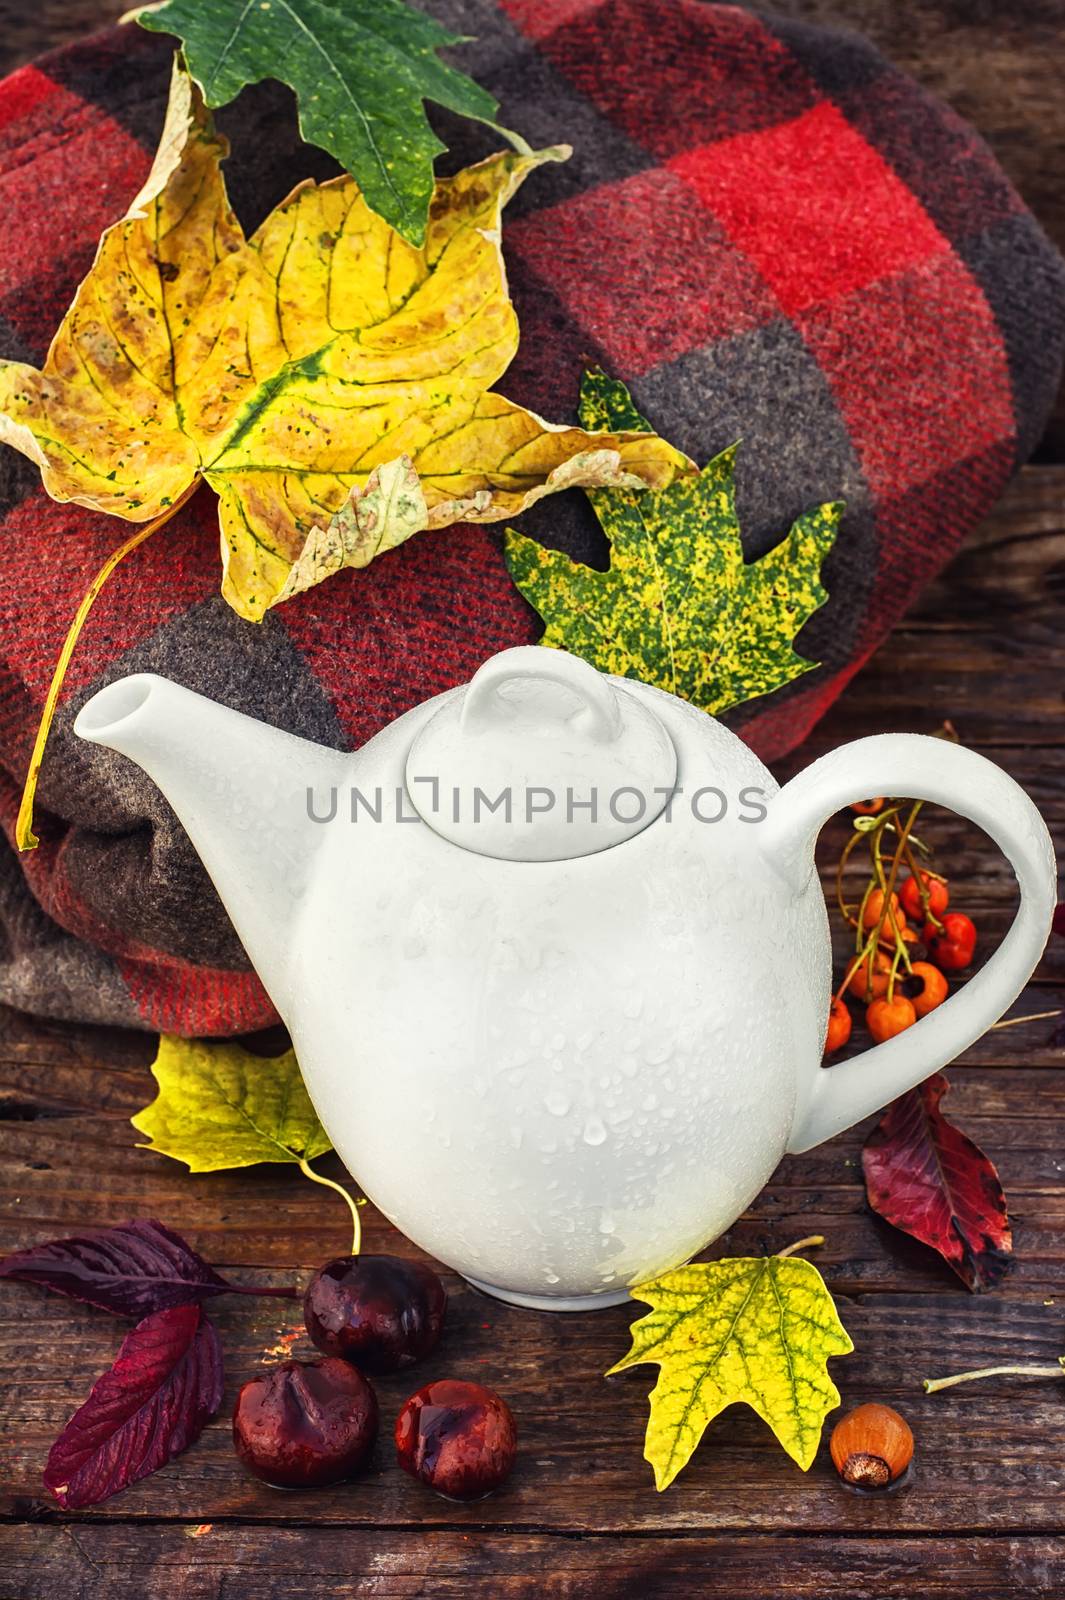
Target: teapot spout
[240,789]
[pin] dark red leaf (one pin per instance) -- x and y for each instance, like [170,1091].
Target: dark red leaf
[934,1183]
[165,1386]
[134,1269]
[1059,919]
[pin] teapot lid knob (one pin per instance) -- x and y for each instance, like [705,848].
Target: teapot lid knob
[541,758]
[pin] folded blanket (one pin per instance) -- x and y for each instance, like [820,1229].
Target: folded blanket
[767,231]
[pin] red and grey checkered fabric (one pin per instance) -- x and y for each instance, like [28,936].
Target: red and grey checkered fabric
[765,229]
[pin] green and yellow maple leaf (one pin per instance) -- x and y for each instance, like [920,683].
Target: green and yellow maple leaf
[220,1106]
[678,606]
[329,380]
[756,1330]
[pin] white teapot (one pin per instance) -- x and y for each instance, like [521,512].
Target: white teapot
[553,953]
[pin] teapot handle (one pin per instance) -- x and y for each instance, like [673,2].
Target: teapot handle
[925,769]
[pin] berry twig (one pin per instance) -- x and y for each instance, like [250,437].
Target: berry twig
[897,891]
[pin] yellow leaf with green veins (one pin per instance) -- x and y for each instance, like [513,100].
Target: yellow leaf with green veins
[286,369]
[679,607]
[220,1106]
[758,1331]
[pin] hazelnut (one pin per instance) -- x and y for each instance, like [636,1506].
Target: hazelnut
[871,1447]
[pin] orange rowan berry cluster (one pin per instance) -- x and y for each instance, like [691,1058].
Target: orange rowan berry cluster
[903,909]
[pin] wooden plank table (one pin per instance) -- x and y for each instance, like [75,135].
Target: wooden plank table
[984,1513]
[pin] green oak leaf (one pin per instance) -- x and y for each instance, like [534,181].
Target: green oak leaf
[361,70]
[758,1330]
[679,607]
[220,1106]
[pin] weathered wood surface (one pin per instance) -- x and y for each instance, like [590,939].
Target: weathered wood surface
[984,1514]
[259,1564]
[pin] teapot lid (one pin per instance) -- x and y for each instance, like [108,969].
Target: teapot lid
[540,758]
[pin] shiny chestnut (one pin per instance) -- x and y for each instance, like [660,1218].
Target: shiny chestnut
[381,1312]
[305,1423]
[457,1438]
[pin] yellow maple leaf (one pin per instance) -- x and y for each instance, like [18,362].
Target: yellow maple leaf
[220,1107]
[328,379]
[756,1330]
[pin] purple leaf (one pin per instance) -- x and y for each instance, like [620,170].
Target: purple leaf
[134,1269]
[165,1386]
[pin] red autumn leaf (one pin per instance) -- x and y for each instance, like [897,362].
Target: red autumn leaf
[1059,919]
[926,1177]
[165,1386]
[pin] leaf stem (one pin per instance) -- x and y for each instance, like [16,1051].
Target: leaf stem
[1015,1022]
[317,1177]
[257,1288]
[515,140]
[933,1385]
[801,1244]
[25,838]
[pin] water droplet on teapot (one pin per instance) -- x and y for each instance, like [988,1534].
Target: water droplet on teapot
[607,1223]
[558,1041]
[594,1131]
[655,1051]
[629,1066]
[633,1006]
[650,1102]
[517,1137]
[552,1277]
[557,1102]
